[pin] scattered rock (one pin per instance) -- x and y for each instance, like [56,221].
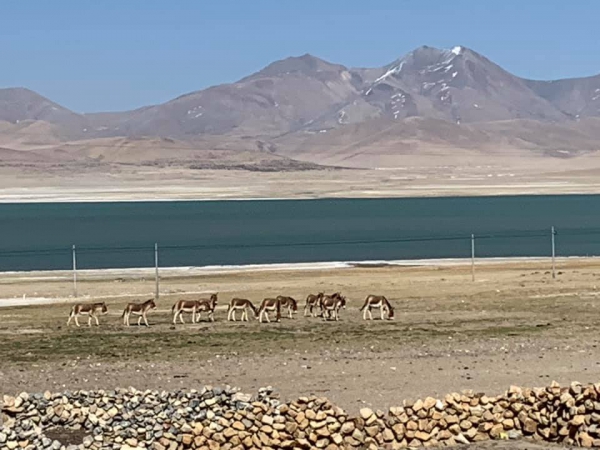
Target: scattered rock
[366,413]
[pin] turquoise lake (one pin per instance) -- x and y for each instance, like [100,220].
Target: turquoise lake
[40,236]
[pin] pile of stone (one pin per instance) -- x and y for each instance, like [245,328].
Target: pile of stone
[215,418]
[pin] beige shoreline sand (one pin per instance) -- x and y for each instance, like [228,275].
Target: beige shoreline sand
[168,184]
[51,195]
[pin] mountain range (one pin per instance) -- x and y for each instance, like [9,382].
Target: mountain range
[305,108]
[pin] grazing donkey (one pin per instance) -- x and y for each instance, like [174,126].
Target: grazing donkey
[269,305]
[138,309]
[312,302]
[188,306]
[240,304]
[92,310]
[331,305]
[377,301]
[208,305]
[288,303]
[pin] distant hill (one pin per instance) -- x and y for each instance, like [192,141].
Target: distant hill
[20,104]
[305,108]
[577,97]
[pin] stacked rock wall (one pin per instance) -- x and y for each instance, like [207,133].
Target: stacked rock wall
[215,418]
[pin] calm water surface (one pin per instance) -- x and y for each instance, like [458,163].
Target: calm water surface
[40,236]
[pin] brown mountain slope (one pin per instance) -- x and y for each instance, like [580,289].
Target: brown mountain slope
[389,143]
[282,97]
[20,104]
[459,85]
[31,134]
[577,97]
[165,152]
[10,157]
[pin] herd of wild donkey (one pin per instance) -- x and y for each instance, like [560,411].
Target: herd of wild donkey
[326,306]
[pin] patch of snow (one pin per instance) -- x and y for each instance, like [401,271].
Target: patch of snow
[85,129]
[198,115]
[341,117]
[322,131]
[194,110]
[447,69]
[454,74]
[54,108]
[427,86]
[435,69]
[369,91]
[457,50]
[597,90]
[476,105]
[393,70]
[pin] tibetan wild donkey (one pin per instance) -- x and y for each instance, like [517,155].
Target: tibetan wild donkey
[92,310]
[138,309]
[240,304]
[208,305]
[288,303]
[269,305]
[331,305]
[312,303]
[377,301]
[185,306]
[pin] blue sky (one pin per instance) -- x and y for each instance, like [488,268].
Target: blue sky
[92,55]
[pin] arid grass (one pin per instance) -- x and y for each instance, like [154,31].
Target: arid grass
[515,300]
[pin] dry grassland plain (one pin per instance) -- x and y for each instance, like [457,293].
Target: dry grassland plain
[513,325]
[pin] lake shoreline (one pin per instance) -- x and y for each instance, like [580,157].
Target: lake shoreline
[308,266]
[256,271]
[43,195]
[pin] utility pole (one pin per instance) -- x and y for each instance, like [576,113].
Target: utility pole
[553,231]
[472,257]
[74,272]
[156,294]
